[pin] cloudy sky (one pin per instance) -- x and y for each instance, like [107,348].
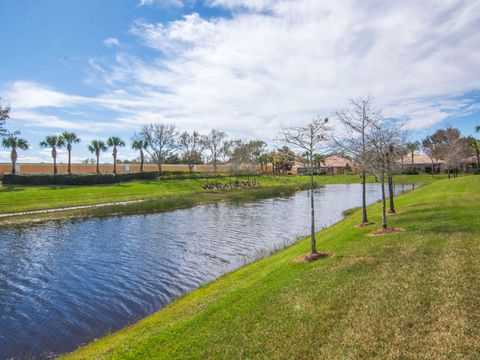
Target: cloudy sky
[248,67]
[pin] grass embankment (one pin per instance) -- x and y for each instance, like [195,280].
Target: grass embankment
[408,295]
[22,198]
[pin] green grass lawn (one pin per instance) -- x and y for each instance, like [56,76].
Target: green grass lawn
[411,295]
[21,198]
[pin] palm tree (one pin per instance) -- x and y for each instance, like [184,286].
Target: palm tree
[53,142]
[140,144]
[97,147]
[115,142]
[412,147]
[13,142]
[477,128]
[70,138]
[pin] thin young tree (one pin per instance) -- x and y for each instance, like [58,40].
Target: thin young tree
[382,140]
[115,142]
[192,147]
[358,121]
[161,140]
[97,147]
[140,145]
[395,153]
[213,142]
[310,139]
[53,142]
[14,142]
[69,138]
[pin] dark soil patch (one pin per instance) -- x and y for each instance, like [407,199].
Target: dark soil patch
[310,257]
[362,225]
[386,231]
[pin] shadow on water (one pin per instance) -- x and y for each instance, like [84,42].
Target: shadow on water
[64,283]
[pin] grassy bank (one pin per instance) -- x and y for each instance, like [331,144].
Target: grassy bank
[18,198]
[408,295]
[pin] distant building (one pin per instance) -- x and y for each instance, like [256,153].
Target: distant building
[333,164]
[422,163]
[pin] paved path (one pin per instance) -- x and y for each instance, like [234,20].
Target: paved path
[46,211]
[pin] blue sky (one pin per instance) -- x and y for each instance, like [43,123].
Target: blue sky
[248,67]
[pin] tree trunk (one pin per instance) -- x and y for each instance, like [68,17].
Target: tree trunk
[69,148]
[98,163]
[391,194]
[364,197]
[54,155]
[13,157]
[215,165]
[312,208]
[384,204]
[141,160]
[433,168]
[114,153]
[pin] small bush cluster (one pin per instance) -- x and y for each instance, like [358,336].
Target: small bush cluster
[76,179]
[232,185]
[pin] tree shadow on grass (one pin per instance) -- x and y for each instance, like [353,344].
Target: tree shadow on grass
[12,188]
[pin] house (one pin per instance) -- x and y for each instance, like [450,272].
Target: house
[422,163]
[333,164]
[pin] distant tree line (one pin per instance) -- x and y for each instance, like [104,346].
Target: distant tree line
[162,144]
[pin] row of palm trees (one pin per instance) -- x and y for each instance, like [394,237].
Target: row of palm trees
[67,140]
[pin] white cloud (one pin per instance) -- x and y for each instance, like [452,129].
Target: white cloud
[111,41]
[299,58]
[40,120]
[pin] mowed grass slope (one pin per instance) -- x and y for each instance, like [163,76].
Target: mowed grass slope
[22,198]
[411,295]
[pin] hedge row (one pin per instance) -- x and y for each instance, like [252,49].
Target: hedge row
[76,179]
[96,179]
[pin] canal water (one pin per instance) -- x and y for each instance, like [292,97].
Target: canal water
[65,283]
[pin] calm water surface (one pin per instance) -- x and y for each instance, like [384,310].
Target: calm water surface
[65,283]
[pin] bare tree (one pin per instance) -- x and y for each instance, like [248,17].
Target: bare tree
[247,153]
[358,122]
[309,139]
[394,153]
[450,147]
[161,140]
[226,150]
[192,146]
[382,140]
[213,142]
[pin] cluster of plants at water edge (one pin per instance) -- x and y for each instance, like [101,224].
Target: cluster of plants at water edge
[231,185]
